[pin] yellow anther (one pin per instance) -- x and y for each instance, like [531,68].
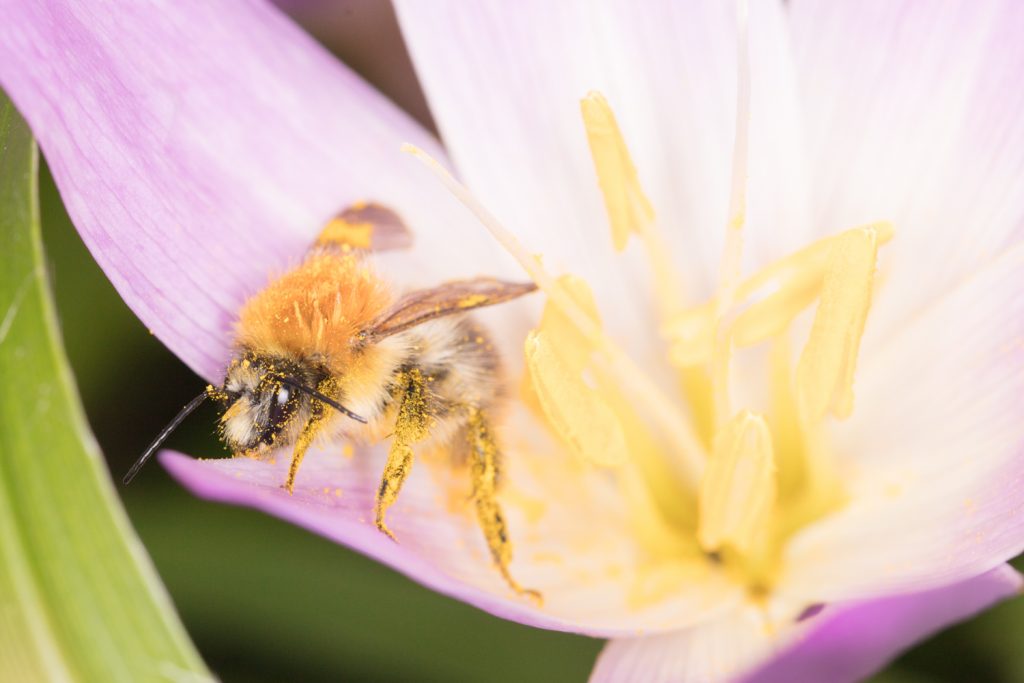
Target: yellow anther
[737,494]
[576,348]
[576,411]
[809,486]
[824,374]
[764,304]
[664,492]
[629,210]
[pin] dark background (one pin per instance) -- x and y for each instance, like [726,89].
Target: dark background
[265,601]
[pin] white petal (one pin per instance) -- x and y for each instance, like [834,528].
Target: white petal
[717,650]
[915,114]
[932,456]
[841,644]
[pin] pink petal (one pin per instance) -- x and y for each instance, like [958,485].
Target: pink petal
[858,640]
[570,531]
[914,113]
[841,643]
[932,457]
[504,81]
[200,146]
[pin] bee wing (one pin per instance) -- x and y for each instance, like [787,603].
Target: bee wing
[365,226]
[457,296]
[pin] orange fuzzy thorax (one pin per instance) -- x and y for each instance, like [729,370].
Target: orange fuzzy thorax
[314,310]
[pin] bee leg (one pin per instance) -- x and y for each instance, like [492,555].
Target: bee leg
[484,469]
[411,425]
[299,452]
[303,443]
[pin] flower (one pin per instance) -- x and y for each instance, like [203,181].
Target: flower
[199,148]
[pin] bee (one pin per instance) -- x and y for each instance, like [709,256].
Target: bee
[329,350]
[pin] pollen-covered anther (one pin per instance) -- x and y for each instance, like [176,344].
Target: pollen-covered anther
[737,495]
[766,303]
[629,210]
[577,412]
[824,374]
[558,360]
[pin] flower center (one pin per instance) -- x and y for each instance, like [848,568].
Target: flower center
[763,474]
[714,483]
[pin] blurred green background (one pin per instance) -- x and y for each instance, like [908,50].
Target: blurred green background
[265,601]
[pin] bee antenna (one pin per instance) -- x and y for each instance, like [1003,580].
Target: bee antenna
[162,436]
[320,397]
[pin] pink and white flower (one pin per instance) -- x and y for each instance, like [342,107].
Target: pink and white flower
[200,146]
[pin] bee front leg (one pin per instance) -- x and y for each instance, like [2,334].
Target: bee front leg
[411,425]
[305,440]
[299,452]
[484,468]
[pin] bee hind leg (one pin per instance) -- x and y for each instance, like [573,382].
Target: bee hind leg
[484,468]
[411,425]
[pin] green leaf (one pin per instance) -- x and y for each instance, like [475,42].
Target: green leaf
[79,599]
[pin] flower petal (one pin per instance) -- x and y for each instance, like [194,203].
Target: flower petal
[932,456]
[199,146]
[858,640]
[915,114]
[569,530]
[505,83]
[716,650]
[841,643]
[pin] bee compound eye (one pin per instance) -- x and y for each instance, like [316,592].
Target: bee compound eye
[283,395]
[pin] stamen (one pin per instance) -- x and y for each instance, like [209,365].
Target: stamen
[732,254]
[629,209]
[576,411]
[729,272]
[737,495]
[807,479]
[557,356]
[764,304]
[685,443]
[824,374]
[643,458]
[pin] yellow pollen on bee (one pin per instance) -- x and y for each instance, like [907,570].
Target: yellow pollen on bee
[472,300]
[341,232]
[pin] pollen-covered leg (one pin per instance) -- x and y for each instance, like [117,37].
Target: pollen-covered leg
[309,432]
[301,446]
[411,425]
[484,464]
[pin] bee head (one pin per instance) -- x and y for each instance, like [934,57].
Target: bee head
[262,406]
[267,402]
